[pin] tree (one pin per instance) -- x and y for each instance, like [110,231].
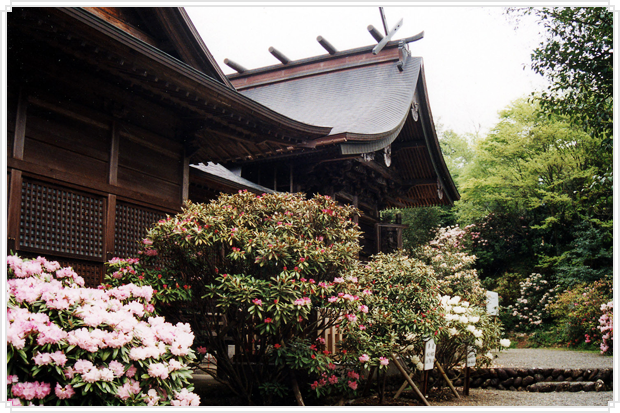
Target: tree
[528,188]
[261,269]
[577,58]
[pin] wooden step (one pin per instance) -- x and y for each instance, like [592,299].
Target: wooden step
[571,386]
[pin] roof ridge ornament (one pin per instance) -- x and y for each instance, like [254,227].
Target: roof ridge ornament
[387,38]
[403,55]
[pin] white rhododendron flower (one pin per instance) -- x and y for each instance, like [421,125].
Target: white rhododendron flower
[504,342]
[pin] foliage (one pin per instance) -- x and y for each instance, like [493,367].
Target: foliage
[327,377]
[398,308]
[578,312]
[577,59]
[528,187]
[448,254]
[422,223]
[69,345]
[531,309]
[261,269]
[467,325]
[146,272]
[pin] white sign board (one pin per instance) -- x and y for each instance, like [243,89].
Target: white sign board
[492,303]
[471,357]
[429,354]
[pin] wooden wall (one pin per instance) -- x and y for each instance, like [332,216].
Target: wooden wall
[84,185]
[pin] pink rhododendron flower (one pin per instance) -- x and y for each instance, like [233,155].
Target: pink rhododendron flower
[364,358]
[384,361]
[257,301]
[158,370]
[202,350]
[352,385]
[64,392]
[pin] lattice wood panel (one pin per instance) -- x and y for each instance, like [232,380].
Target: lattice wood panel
[56,220]
[130,227]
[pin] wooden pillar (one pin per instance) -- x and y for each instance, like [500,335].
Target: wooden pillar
[185,187]
[108,242]
[19,137]
[15,184]
[290,178]
[275,177]
[110,220]
[14,209]
[356,202]
[114,148]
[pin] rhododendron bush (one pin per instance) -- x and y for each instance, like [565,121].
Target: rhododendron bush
[261,270]
[448,254]
[607,327]
[581,312]
[463,298]
[532,307]
[70,345]
[396,309]
[467,326]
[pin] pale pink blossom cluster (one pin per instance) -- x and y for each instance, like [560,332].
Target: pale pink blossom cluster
[185,398]
[128,389]
[606,325]
[31,390]
[43,359]
[41,266]
[92,320]
[23,323]
[303,301]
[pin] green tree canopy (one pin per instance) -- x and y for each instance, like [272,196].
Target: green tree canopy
[576,56]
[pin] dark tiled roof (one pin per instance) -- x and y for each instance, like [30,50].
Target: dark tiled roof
[371,100]
[224,174]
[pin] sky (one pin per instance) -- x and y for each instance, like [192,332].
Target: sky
[475,62]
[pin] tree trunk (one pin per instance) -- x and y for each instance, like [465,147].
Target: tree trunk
[300,400]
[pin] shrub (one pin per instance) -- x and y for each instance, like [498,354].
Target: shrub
[532,307]
[578,312]
[607,327]
[145,271]
[448,254]
[467,325]
[260,270]
[396,308]
[70,345]
[464,298]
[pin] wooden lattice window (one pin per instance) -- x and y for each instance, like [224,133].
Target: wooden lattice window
[130,227]
[59,220]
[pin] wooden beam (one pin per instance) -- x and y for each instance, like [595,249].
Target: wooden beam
[71,180]
[110,222]
[14,207]
[408,145]
[19,137]
[185,184]
[114,148]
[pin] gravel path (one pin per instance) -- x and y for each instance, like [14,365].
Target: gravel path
[542,359]
[481,397]
[559,359]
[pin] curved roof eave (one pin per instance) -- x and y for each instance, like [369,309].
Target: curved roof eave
[185,73]
[432,142]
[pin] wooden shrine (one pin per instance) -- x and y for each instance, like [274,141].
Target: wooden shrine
[116,116]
